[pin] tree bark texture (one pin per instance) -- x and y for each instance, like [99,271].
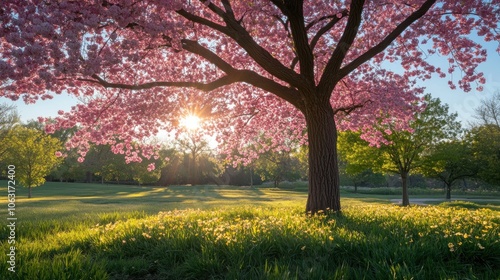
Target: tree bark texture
[324,191]
[404,183]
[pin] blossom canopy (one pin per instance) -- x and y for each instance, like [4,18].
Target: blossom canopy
[246,67]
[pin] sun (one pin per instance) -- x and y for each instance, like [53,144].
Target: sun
[191,122]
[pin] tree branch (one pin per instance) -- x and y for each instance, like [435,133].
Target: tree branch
[195,48]
[203,21]
[286,93]
[295,13]
[250,77]
[386,41]
[240,35]
[327,27]
[328,81]
[260,55]
[321,32]
[244,75]
[225,80]
[347,110]
[228,8]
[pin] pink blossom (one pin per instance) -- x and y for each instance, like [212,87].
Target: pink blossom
[148,66]
[151,167]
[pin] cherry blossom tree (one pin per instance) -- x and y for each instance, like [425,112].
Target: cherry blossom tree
[244,67]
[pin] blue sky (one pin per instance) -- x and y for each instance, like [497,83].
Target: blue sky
[460,102]
[465,103]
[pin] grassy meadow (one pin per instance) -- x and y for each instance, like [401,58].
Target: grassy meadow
[93,231]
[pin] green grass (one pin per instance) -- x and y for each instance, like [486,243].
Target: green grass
[427,192]
[91,231]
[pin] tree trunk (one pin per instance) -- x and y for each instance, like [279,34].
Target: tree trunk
[29,192]
[88,177]
[448,191]
[324,191]
[251,177]
[194,170]
[406,198]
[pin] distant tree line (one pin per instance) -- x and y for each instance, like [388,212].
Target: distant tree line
[185,160]
[435,148]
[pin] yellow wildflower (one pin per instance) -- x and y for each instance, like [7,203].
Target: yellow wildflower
[451,246]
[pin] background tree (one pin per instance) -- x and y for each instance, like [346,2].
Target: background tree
[142,172]
[488,113]
[450,161]
[69,169]
[8,118]
[193,146]
[485,138]
[249,66]
[302,156]
[96,162]
[169,172]
[211,168]
[357,156]
[402,151]
[485,141]
[277,167]
[34,154]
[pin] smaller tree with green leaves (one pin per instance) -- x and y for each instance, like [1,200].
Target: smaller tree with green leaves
[449,162]
[277,167]
[402,151]
[69,168]
[34,154]
[302,155]
[350,146]
[143,172]
[485,141]
[8,119]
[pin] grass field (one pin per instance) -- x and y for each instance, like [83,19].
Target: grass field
[93,231]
